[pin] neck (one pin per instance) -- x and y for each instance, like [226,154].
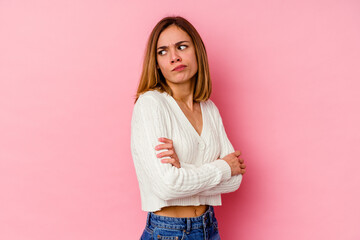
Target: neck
[184,92]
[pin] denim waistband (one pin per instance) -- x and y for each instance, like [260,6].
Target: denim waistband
[187,224]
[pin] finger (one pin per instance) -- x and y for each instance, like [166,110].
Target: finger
[172,161]
[237,153]
[242,166]
[163,146]
[166,160]
[165,154]
[165,140]
[241,160]
[175,163]
[242,171]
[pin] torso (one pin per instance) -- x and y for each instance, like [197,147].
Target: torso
[182,211]
[195,118]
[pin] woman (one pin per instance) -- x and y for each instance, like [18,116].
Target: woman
[182,156]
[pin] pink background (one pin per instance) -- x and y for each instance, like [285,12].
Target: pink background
[285,78]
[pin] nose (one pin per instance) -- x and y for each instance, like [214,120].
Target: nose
[175,57]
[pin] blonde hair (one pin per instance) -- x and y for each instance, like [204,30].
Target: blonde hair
[152,78]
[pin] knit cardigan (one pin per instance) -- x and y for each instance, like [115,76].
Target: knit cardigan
[203,175]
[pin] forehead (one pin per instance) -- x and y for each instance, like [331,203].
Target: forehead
[172,35]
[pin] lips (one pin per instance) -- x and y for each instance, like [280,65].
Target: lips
[180,67]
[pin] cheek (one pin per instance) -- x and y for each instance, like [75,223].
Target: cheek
[193,60]
[194,63]
[163,69]
[161,64]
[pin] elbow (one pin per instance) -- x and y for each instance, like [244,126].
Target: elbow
[237,183]
[166,192]
[173,185]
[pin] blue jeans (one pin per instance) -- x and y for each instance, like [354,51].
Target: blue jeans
[204,227]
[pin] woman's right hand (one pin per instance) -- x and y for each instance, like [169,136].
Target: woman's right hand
[236,164]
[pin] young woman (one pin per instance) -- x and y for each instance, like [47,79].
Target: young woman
[182,156]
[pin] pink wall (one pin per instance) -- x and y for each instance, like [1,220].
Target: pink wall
[285,78]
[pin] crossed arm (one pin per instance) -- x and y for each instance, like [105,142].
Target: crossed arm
[233,159]
[169,182]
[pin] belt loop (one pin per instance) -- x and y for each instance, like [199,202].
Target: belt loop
[188,225]
[211,216]
[148,219]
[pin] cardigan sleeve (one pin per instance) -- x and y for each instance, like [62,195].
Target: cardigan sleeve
[228,185]
[149,122]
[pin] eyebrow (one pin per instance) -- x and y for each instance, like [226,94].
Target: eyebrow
[176,44]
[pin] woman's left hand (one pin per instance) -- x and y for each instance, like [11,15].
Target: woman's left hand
[168,144]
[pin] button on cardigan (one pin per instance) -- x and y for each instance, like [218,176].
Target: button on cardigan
[203,175]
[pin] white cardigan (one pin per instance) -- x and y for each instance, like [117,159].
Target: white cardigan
[203,175]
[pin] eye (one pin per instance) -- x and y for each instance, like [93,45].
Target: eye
[182,47]
[161,52]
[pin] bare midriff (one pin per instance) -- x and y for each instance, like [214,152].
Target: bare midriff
[182,211]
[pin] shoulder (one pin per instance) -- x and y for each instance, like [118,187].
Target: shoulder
[150,110]
[212,107]
[151,94]
[151,97]
[151,100]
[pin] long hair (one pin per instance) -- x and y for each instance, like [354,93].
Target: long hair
[152,78]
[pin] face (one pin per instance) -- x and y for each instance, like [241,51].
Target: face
[175,48]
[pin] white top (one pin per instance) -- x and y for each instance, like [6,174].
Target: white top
[203,175]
